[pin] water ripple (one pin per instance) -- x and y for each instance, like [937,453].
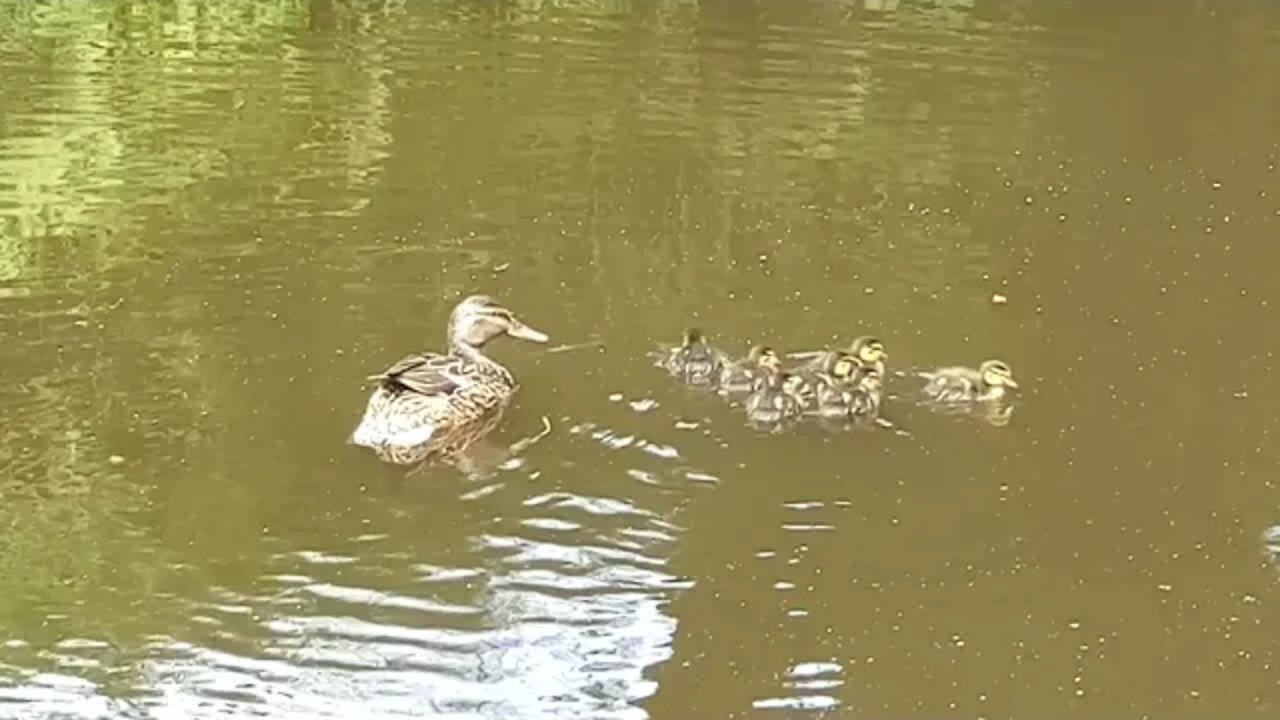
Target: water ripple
[808,683]
[214,217]
[562,615]
[374,598]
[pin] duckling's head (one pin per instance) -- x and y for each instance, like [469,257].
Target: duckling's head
[767,358]
[693,336]
[479,318]
[790,382]
[868,349]
[871,380]
[996,373]
[757,354]
[841,365]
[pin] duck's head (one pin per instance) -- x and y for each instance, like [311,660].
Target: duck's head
[996,373]
[840,365]
[479,318]
[868,349]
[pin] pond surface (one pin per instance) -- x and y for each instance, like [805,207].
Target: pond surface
[217,218]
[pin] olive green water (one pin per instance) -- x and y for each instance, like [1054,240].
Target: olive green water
[217,218]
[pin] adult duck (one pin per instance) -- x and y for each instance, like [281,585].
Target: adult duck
[433,403]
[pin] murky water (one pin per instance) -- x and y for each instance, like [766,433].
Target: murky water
[217,218]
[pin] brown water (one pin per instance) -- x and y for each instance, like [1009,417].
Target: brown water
[217,218]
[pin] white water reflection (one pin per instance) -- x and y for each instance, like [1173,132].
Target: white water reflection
[563,620]
[810,686]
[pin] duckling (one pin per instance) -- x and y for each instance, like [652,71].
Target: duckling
[854,397]
[962,384]
[870,352]
[865,351]
[823,388]
[745,375]
[694,361]
[865,396]
[776,400]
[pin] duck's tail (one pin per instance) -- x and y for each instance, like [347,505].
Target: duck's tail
[362,436]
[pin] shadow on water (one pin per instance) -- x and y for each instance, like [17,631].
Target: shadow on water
[217,218]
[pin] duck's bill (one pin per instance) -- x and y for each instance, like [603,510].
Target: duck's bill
[524,332]
[1010,382]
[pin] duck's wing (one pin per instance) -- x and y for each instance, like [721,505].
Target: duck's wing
[425,373]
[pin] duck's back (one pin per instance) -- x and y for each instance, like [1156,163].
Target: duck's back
[424,399]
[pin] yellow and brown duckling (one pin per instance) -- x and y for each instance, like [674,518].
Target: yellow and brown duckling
[990,382]
[854,397]
[747,374]
[776,400]
[865,350]
[434,403]
[866,394]
[823,383]
[870,352]
[694,361]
